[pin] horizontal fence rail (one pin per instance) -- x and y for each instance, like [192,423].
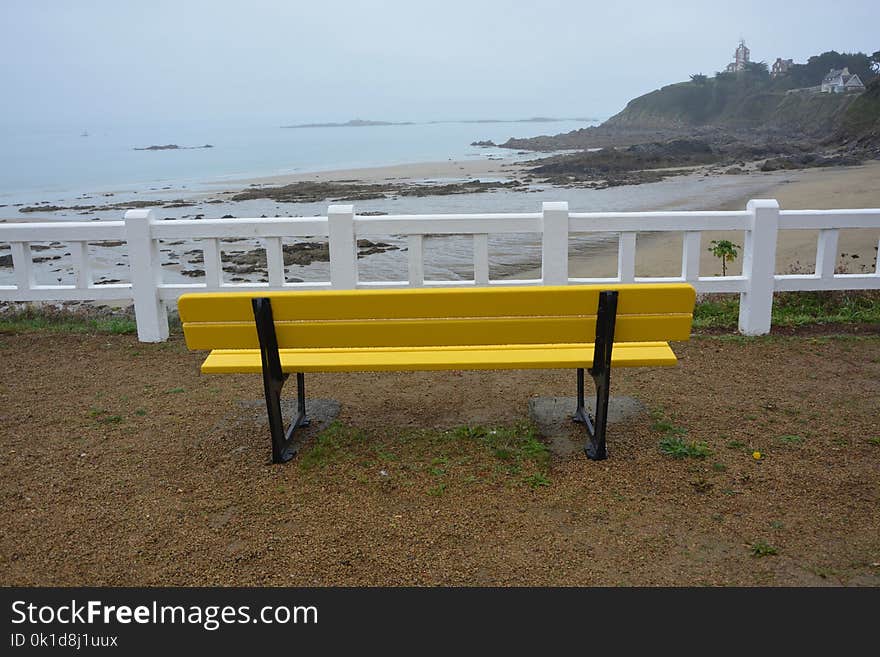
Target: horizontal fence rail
[140,234]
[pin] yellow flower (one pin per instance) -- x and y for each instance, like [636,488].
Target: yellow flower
[756,455]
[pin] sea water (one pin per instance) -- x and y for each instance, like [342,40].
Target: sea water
[59,166]
[65,159]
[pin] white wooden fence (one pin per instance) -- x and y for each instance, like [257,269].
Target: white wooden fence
[760,221]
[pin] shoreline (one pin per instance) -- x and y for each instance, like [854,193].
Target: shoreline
[659,254]
[815,189]
[495,167]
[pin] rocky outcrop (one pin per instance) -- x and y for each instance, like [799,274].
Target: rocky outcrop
[599,137]
[312,192]
[810,161]
[299,253]
[631,165]
[171,147]
[125,205]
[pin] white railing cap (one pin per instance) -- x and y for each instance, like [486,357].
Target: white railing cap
[140,213]
[555,206]
[762,203]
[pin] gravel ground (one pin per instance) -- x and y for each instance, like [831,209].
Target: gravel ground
[121,465]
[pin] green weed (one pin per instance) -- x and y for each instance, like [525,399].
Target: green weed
[537,480]
[795,309]
[664,425]
[437,491]
[326,446]
[34,319]
[677,448]
[761,548]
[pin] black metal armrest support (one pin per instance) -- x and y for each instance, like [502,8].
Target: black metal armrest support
[283,448]
[606,317]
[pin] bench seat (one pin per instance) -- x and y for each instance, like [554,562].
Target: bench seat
[461,357]
[586,328]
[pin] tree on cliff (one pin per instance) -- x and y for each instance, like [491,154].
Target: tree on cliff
[814,71]
[758,70]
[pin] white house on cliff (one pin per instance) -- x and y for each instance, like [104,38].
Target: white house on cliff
[840,81]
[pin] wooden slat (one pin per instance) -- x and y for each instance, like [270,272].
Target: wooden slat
[212,264]
[411,303]
[274,261]
[81,264]
[626,257]
[415,260]
[826,252]
[23,263]
[544,356]
[433,332]
[481,259]
[690,257]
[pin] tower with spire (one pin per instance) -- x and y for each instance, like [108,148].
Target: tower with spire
[740,58]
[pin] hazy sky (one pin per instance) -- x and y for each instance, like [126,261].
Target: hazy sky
[291,61]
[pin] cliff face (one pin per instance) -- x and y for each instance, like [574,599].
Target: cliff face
[734,104]
[811,114]
[860,124]
[739,106]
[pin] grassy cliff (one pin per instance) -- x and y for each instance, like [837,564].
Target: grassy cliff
[861,121]
[734,101]
[735,106]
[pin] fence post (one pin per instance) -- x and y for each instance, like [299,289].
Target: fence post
[554,243]
[759,267]
[626,257]
[146,274]
[343,247]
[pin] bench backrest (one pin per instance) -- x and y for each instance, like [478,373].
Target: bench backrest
[414,317]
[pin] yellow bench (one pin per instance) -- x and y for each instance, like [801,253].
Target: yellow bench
[578,327]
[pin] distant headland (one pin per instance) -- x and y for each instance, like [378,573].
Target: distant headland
[746,118]
[361,123]
[534,119]
[354,123]
[171,147]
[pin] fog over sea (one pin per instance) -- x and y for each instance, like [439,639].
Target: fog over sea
[62,160]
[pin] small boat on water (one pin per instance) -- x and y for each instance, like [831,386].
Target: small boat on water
[85,133]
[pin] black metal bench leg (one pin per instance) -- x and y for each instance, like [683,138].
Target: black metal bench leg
[580,413]
[302,419]
[595,447]
[283,448]
[606,316]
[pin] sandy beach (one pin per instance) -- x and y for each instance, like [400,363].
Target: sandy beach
[483,168]
[659,254]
